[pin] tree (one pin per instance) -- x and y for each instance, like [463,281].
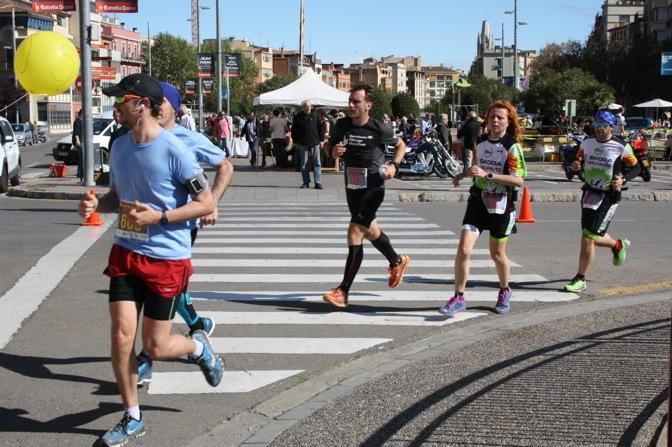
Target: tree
[173,59]
[381,103]
[404,104]
[549,89]
[9,94]
[560,57]
[484,92]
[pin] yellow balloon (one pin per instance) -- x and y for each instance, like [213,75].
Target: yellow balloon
[46,63]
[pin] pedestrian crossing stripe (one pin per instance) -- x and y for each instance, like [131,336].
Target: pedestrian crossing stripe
[308,212]
[258,278]
[318,241]
[394,318]
[321,250]
[206,232]
[293,345]
[435,296]
[193,382]
[306,218]
[339,263]
[342,225]
[285,205]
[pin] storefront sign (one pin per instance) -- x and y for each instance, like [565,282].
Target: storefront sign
[54,5]
[116,6]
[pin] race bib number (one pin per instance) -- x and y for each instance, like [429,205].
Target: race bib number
[356,178]
[126,229]
[495,202]
[593,199]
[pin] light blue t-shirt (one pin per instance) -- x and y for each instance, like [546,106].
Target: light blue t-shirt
[154,173]
[203,149]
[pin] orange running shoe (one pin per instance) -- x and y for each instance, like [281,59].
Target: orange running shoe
[397,272]
[336,297]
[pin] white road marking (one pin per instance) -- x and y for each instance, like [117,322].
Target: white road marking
[307,219]
[293,345]
[206,232]
[322,250]
[338,263]
[343,225]
[258,278]
[193,382]
[436,296]
[313,241]
[26,295]
[391,318]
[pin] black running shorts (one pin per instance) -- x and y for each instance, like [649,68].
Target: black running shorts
[595,223]
[364,204]
[132,288]
[477,215]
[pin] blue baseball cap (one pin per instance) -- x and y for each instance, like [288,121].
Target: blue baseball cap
[172,95]
[606,116]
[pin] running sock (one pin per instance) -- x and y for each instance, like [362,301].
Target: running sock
[134,412]
[383,245]
[199,349]
[355,256]
[459,294]
[616,248]
[580,277]
[187,312]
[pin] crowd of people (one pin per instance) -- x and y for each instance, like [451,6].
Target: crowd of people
[159,190]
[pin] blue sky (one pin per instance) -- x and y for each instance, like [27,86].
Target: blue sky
[441,31]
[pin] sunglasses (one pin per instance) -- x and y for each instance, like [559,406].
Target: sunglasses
[123,99]
[601,125]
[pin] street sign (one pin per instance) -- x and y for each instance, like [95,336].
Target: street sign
[666,63]
[78,84]
[570,107]
[224,94]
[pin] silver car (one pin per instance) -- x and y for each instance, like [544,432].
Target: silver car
[23,134]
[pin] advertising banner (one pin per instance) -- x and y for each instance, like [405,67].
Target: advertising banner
[54,5]
[233,63]
[205,65]
[116,6]
[190,87]
[207,86]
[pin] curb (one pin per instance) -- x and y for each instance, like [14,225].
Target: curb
[262,424]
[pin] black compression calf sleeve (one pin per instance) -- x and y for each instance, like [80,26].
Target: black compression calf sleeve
[383,245]
[355,256]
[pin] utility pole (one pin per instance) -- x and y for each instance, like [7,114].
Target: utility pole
[502,52]
[516,65]
[87,102]
[149,48]
[16,81]
[219,62]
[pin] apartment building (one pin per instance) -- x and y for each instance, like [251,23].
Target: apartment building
[657,17]
[288,62]
[340,74]
[615,13]
[262,56]
[440,80]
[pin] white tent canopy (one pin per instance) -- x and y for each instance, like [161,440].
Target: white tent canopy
[655,103]
[308,87]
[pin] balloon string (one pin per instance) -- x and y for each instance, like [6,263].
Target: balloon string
[10,105]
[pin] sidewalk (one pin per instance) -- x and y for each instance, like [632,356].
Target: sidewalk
[588,373]
[274,185]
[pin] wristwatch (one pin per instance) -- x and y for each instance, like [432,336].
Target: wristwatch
[164,218]
[395,164]
[490,176]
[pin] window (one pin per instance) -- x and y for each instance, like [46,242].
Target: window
[624,18]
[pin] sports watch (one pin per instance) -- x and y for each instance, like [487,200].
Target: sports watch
[164,218]
[490,176]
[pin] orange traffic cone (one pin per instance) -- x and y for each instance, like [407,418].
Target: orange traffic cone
[93,220]
[526,209]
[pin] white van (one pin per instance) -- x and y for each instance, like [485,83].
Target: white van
[103,126]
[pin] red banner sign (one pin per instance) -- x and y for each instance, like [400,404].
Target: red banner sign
[104,73]
[116,6]
[54,5]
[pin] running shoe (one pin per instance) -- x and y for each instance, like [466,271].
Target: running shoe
[144,368]
[398,270]
[127,429]
[208,326]
[453,306]
[211,364]
[336,297]
[503,301]
[619,256]
[576,285]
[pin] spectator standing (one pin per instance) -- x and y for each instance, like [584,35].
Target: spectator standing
[425,123]
[224,133]
[186,120]
[443,132]
[279,129]
[306,131]
[250,132]
[469,133]
[77,132]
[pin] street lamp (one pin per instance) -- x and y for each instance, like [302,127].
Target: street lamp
[516,65]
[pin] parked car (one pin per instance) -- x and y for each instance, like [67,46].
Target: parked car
[103,126]
[23,134]
[10,157]
[634,123]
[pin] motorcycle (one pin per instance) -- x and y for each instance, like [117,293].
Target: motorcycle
[42,135]
[425,156]
[640,147]
[569,152]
